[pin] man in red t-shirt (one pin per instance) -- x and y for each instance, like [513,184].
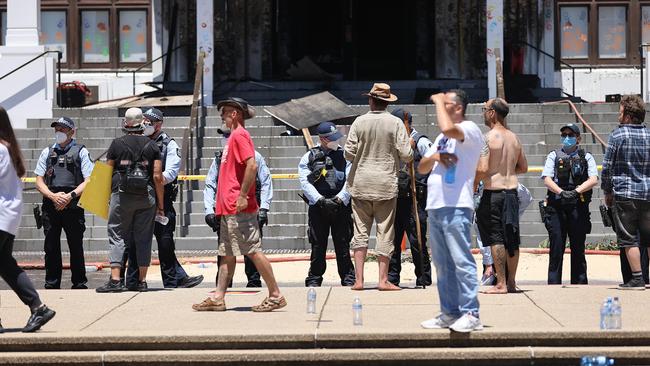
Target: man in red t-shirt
[237,208]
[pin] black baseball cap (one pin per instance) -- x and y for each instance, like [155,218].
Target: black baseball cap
[573,127]
[153,115]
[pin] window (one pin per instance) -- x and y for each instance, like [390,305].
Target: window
[612,26]
[601,32]
[3,27]
[95,46]
[54,32]
[133,36]
[575,35]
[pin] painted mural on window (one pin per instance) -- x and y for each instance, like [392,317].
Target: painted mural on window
[612,31]
[133,36]
[573,31]
[645,24]
[94,37]
[53,31]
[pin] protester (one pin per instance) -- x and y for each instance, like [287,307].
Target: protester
[263,195]
[62,172]
[237,208]
[172,272]
[405,220]
[569,173]
[136,200]
[376,143]
[498,212]
[12,168]
[452,163]
[626,184]
[322,172]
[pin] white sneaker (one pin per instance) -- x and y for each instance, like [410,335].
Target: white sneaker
[466,323]
[439,322]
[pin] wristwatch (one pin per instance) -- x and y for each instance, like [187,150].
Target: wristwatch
[73,194]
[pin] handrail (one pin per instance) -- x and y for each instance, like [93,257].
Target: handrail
[582,120]
[556,59]
[133,71]
[58,71]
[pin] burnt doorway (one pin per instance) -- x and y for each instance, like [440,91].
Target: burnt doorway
[350,39]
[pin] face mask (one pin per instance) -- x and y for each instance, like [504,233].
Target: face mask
[332,145]
[60,137]
[569,141]
[148,130]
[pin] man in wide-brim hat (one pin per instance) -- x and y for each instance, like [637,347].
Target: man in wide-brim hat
[376,144]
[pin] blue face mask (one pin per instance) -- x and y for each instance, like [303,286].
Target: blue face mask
[569,142]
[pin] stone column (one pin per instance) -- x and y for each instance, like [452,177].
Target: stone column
[494,26]
[23,20]
[205,43]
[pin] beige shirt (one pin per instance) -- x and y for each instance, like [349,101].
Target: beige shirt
[376,143]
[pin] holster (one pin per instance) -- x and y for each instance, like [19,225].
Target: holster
[38,217]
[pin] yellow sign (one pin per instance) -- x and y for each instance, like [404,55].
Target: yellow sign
[97,194]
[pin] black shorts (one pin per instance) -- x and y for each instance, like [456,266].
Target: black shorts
[632,222]
[490,214]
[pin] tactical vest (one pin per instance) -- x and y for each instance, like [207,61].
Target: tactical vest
[258,183]
[571,171]
[171,188]
[63,168]
[327,171]
[404,178]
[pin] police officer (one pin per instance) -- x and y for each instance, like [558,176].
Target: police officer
[569,173]
[263,193]
[172,272]
[405,217]
[62,172]
[323,171]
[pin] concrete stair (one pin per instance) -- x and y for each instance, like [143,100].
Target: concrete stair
[536,125]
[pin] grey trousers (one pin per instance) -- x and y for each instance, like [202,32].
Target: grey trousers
[130,225]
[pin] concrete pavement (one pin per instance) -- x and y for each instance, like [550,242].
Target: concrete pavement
[547,324]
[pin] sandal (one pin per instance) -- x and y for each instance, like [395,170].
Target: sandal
[270,304]
[210,305]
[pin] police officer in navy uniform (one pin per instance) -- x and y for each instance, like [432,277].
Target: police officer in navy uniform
[173,274]
[569,173]
[62,172]
[405,218]
[263,194]
[323,171]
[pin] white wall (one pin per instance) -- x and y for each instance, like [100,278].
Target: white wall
[593,84]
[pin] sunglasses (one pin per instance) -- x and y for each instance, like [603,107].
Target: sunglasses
[568,135]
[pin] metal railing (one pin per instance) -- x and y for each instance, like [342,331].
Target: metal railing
[585,125]
[190,135]
[559,60]
[148,63]
[58,71]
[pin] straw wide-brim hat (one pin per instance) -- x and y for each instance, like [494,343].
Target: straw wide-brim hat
[381,91]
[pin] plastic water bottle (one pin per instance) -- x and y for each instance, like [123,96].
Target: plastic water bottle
[311,301]
[450,174]
[596,361]
[616,321]
[357,308]
[605,313]
[162,220]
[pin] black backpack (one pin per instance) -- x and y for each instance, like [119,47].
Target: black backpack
[135,178]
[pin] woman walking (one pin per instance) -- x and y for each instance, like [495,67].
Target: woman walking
[11,207]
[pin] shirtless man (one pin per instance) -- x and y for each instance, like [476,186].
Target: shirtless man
[497,213]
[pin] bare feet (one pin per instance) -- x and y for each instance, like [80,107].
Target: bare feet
[387,286]
[358,286]
[513,289]
[495,290]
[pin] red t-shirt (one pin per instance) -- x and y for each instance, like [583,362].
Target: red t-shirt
[237,151]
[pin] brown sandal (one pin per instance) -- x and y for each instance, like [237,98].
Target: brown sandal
[270,304]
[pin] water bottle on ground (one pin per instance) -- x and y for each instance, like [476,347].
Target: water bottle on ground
[605,313]
[311,301]
[357,318]
[450,174]
[616,314]
[596,361]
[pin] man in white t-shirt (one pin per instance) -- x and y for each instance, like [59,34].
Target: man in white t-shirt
[452,161]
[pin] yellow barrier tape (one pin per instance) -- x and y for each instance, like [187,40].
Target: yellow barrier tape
[532,169]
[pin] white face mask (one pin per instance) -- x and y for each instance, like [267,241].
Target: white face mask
[148,130]
[60,137]
[332,145]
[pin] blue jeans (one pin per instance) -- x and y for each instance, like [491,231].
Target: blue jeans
[450,236]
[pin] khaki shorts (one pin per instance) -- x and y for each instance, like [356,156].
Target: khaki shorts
[239,235]
[364,212]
